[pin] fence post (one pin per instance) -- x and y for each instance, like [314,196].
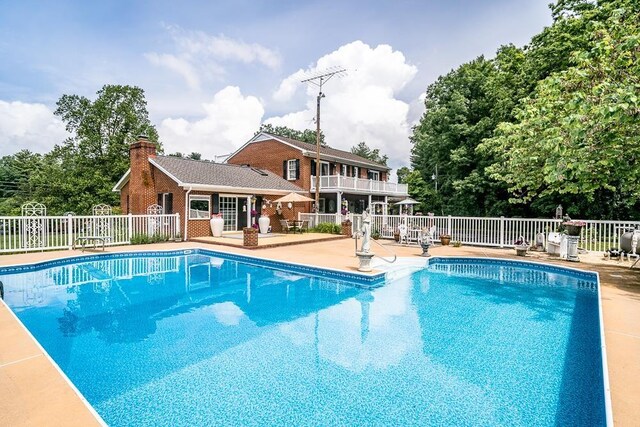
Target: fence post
[177,227]
[129,227]
[449,225]
[70,231]
[502,232]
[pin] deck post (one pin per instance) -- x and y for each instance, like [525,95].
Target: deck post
[129,227]
[70,231]
[502,232]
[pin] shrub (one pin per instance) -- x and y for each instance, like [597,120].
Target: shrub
[327,227]
[144,239]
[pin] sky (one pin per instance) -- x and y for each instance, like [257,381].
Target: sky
[213,71]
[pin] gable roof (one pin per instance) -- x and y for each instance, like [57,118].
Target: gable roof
[326,153]
[209,176]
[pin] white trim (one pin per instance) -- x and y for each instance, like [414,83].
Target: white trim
[122,182]
[203,198]
[240,190]
[289,176]
[323,162]
[166,172]
[346,161]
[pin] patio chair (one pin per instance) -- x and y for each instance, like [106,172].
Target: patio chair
[286,227]
[304,225]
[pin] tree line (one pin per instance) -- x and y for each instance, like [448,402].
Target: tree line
[554,122]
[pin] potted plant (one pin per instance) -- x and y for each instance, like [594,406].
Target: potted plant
[573,227]
[396,235]
[445,239]
[375,234]
[521,246]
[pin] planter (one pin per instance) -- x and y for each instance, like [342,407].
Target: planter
[573,230]
[445,240]
[346,228]
[521,250]
[263,223]
[425,248]
[396,236]
[217,224]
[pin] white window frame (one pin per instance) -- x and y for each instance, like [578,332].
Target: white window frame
[204,198]
[322,167]
[344,170]
[291,173]
[165,196]
[375,175]
[355,171]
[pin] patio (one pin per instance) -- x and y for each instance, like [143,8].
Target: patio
[35,393]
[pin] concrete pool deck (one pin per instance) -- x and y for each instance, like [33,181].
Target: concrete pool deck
[35,393]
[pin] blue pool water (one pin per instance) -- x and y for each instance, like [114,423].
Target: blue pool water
[209,340]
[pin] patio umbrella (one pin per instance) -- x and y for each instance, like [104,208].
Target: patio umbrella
[294,198]
[407,202]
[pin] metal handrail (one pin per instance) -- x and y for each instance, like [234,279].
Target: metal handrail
[395,257]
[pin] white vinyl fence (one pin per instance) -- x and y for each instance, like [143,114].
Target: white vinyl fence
[499,231]
[37,233]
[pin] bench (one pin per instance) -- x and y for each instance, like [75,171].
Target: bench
[90,239]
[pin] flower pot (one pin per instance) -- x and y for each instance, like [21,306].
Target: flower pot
[250,236]
[445,240]
[521,250]
[573,230]
[263,223]
[217,225]
[396,236]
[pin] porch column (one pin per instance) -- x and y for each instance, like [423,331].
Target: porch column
[249,207]
[369,205]
[338,207]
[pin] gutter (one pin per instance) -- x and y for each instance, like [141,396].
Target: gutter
[186,213]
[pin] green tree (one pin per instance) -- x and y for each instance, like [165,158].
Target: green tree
[577,134]
[82,171]
[15,180]
[363,150]
[402,174]
[307,135]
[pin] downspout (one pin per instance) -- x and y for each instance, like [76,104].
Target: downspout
[186,213]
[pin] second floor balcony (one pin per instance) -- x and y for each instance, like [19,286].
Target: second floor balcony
[358,185]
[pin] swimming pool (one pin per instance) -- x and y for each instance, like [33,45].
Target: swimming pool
[204,338]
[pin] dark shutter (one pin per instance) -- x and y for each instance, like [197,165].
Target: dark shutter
[169,208]
[215,203]
[297,169]
[348,170]
[369,175]
[160,199]
[313,167]
[284,169]
[259,205]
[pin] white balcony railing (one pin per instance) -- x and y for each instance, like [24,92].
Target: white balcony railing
[359,185]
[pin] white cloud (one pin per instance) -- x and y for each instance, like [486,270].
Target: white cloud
[28,126]
[230,119]
[361,106]
[198,55]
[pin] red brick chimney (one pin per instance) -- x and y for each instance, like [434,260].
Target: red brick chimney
[142,191]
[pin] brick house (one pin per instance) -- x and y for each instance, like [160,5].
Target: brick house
[197,189]
[343,175]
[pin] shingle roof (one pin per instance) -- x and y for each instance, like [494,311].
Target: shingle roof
[328,151]
[199,172]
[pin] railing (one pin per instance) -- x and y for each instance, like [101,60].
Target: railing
[348,183]
[37,233]
[596,235]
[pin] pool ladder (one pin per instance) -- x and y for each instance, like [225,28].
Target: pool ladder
[357,234]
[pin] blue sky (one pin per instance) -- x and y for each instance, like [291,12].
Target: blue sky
[213,71]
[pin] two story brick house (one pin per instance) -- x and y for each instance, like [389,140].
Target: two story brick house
[343,175]
[197,189]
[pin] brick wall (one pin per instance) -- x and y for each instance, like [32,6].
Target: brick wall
[141,188]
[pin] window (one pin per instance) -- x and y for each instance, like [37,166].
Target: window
[166,201]
[322,205]
[344,170]
[199,207]
[355,171]
[324,168]
[292,170]
[374,175]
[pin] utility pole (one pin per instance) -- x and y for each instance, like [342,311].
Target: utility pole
[319,80]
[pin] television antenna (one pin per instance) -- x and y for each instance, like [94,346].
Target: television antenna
[318,80]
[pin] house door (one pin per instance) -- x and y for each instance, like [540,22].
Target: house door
[229,211]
